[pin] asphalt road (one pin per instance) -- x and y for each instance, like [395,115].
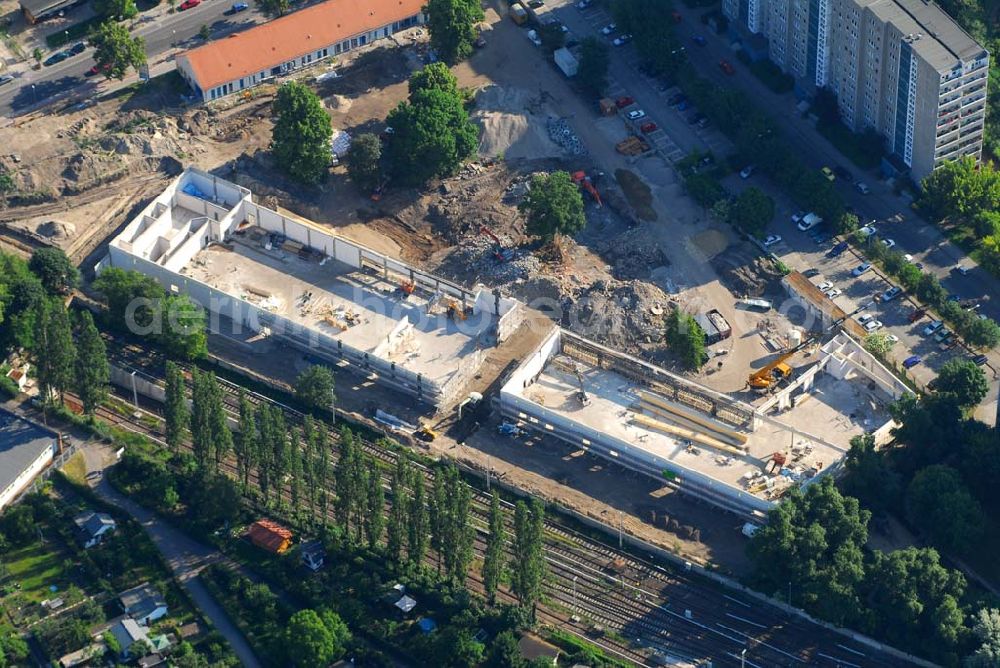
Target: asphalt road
[163,33]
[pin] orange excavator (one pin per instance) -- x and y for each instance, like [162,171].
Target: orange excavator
[584,181]
[776,370]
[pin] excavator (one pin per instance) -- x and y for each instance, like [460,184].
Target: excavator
[499,252]
[776,370]
[584,181]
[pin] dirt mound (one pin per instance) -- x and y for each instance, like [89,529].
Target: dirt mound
[512,122]
[624,316]
[747,273]
[57,230]
[631,255]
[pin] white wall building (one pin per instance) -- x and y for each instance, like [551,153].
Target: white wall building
[25,450]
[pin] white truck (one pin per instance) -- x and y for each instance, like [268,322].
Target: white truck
[809,221]
[566,61]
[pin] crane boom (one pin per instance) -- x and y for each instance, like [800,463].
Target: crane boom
[765,377]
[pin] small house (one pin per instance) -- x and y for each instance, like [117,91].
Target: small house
[151,661]
[405,604]
[20,377]
[144,603]
[270,536]
[532,647]
[91,528]
[128,632]
[313,555]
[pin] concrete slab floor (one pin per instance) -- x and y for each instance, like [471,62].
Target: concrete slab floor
[361,310]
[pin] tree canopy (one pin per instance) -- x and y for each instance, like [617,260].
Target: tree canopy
[116,9]
[452,25]
[432,135]
[302,132]
[592,72]
[115,50]
[963,379]
[315,639]
[686,339]
[364,161]
[314,386]
[435,76]
[938,502]
[751,211]
[553,206]
[54,269]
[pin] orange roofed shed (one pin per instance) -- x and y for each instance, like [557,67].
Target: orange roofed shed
[246,59]
[270,536]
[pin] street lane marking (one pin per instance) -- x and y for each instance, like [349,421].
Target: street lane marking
[852,651]
[760,626]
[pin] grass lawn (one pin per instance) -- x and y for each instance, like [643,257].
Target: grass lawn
[76,469]
[35,567]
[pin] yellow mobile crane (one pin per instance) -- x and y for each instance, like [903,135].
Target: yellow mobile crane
[776,370]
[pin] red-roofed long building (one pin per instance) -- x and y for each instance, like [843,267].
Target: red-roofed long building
[246,59]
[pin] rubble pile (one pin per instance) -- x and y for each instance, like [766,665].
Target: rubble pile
[626,316]
[561,133]
[476,258]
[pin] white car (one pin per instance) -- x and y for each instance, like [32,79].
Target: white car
[892,293]
[866,318]
[867,230]
[933,327]
[889,243]
[771,240]
[608,29]
[636,114]
[798,215]
[892,338]
[745,174]
[862,187]
[835,292]
[825,285]
[622,40]
[872,326]
[583,4]
[861,268]
[535,39]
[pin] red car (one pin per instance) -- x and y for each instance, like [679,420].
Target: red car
[724,65]
[95,70]
[188,4]
[623,102]
[648,127]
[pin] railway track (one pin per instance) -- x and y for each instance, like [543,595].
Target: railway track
[671,612]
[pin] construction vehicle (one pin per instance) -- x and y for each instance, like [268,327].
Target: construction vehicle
[499,252]
[407,287]
[632,146]
[582,395]
[455,310]
[509,429]
[607,106]
[775,371]
[585,182]
[425,433]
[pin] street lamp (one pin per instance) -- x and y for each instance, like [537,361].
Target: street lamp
[743,658]
[574,591]
[34,95]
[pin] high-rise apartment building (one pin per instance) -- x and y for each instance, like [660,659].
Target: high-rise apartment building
[902,67]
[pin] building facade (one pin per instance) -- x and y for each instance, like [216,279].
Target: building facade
[307,37]
[901,67]
[25,450]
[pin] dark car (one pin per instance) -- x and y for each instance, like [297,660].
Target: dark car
[6,79]
[676,99]
[237,8]
[838,249]
[56,58]
[911,361]
[699,40]
[980,360]
[77,48]
[842,172]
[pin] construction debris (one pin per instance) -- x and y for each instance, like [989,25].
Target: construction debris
[561,133]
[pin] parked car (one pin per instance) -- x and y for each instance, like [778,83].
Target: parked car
[873,326]
[809,273]
[622,40]
[57,57]
[917,314]
[608,29]
[726,67]
[699,40]
[892,293]
[865,318]
[867,231]
[676,99]
[825,285]
[934,326]
[188,4]
[911,361]
[838,249]
[862,187]
[77,49]
[798,215]
[835,292]
[828,174]
[5,79]
[648,127]
[889,243]
[943,335]
[962,269]
[702,122]
[746,172]
[583,4]
[636,114]
[771,240]
[624,101]
[242,7]
[979,359]
[861,268]
[684,105]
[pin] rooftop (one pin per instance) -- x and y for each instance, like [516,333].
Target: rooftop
[141,600]
[21,444]
[269,535]
[941,42]
[289,37]
[92,522]
[127,632]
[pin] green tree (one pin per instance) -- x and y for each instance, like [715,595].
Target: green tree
[54,353]
[552,37]
[302,132]
[553,206]
[417,524]
[504,653]
[202,398]
[92,369]
[703,189]
[938,502]
[878,343]
[961,188]
[869,476]
[115,50]
[205,33]
[364,161]
[116,10]
[175,409]
[396,525]
[376,504]
[686,339]
[751,211]
[914,602]
[452,25]
[592,72]
[273,7]
[435,76]
[986,629]
[214,501]
[493,558]
[965,380]
[312,639]
[528,559]
[314,387]
[183,333]
[812,547]
[432,136]
[54,270]
[982,333]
